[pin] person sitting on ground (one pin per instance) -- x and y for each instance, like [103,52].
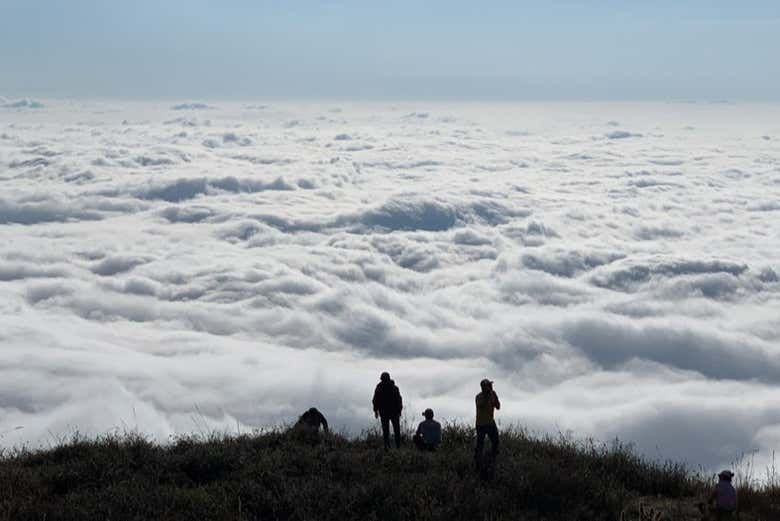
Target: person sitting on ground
[428,436]
[308,425]
[388,405]
[487,402]
[724,498]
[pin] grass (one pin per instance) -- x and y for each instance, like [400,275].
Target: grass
[274,476]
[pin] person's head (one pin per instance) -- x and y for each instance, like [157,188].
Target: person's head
[726,475]
[486,385]
[313,410]
[428,413]
[385,377]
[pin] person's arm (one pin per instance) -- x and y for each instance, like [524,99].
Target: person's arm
[496,403]
[374,402]
[400,401]
[324,423]
[419,428]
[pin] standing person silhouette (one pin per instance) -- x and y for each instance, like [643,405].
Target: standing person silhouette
[388,405]
[487,402]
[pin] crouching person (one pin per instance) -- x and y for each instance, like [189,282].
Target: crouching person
[428,436]
[307,428]
[723,499]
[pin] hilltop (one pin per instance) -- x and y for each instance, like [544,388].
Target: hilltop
[272,475]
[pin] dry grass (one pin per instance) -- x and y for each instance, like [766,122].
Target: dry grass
[273,476]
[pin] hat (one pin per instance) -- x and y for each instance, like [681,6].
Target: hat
[485,382]
[428,412]
[726,474]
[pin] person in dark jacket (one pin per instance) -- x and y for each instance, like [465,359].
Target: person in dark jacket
[312,419]
[724,498]
[387,407]
[307,428]
[428,435]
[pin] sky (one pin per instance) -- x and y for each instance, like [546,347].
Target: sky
[516,50]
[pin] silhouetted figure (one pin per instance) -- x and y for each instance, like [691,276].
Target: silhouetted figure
[487,402]
[312,419]
[307,428]
[387,407]
[428,435]
[724,498]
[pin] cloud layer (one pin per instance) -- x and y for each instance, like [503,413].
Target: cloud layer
[613,267]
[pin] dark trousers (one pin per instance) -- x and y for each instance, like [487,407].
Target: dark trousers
[421,444]
[491,431]
[722,515]
[396,421]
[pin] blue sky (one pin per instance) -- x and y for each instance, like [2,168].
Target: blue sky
[563,49]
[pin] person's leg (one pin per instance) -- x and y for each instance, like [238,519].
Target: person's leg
[397,431]
[493,433]
[480,441]
[723,515]
[385,431]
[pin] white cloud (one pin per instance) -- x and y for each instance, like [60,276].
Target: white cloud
[24,103]
[192,106]
[614,286]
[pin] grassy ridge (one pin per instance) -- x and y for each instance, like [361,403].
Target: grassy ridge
[269,476]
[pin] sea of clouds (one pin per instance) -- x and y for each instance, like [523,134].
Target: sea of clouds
[182,267]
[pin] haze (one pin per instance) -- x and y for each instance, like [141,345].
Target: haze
[399,50]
